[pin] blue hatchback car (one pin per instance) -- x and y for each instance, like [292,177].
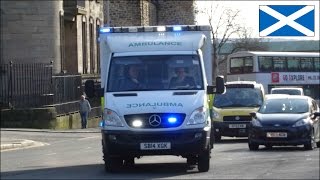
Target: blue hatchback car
[285,120]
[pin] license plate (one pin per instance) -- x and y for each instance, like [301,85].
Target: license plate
[155,146]
[237,125]
[276,134]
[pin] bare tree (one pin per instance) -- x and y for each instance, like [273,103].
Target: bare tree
[246,43]
[222,27]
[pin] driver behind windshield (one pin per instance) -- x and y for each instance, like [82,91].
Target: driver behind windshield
[181,79]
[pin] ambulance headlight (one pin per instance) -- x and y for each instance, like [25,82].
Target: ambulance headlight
[111,118]
[197,117]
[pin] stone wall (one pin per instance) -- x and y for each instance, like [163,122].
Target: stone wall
[124,13]
[30,31]
[148,12]
[43,118]
[176,12]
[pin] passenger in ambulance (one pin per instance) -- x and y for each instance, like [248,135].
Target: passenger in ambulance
[132,82]
[181,80]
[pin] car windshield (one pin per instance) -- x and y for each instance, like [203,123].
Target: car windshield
[288,105]
[286,91]
[239,97]
[155,72]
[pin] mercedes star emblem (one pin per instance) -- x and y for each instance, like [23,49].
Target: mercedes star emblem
[154,120]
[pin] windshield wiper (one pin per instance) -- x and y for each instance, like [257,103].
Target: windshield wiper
[233,105]
[254,105]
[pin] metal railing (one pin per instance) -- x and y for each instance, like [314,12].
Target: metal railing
[24,85]
[34,85]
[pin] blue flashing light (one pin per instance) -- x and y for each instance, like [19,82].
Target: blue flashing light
[105,30]
[177,28]
[101,124]
[172,120]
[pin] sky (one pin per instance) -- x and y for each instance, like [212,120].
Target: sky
[249,15]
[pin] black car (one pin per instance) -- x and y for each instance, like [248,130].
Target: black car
[285,120]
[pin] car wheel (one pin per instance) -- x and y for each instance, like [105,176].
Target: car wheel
[253,146]
[269,146]
[204,160]
[111,164]
[217,138]
[318,144]
[311,144]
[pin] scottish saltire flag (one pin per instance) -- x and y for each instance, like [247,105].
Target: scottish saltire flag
[286,20]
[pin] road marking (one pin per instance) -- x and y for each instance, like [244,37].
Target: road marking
[90,137]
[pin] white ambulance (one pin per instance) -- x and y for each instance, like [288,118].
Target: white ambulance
[156,82]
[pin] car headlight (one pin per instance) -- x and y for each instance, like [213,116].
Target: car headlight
[215,114]
[256,123]
[111,118]
[198,116]
[301,122]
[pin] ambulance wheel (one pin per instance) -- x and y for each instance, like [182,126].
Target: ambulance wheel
[204,161]
[111,164]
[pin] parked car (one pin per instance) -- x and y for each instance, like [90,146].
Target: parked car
[287,90]
[285,120]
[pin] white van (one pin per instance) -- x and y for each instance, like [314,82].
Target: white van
[148,109]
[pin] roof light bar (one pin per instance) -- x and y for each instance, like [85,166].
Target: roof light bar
[105,30]
[177,28]
[172,28]
[161,28]
[148,29]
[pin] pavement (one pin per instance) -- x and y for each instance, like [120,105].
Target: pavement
[9,143]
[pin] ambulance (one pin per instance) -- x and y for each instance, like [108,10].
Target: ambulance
[156,82]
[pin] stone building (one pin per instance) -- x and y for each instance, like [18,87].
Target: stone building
[148,12]
[61,31]
[48,49]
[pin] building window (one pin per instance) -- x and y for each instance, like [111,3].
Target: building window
[98,45]
[62,39]
[84,46]
[91,35]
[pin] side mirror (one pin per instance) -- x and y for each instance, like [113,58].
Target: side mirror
[253,114]
[100,92]
[219,88]
[316,114]
[89,88]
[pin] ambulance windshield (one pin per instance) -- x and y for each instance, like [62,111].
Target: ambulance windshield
[155,72]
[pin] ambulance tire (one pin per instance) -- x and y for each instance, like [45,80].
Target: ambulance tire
[111,164]
[204,160]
